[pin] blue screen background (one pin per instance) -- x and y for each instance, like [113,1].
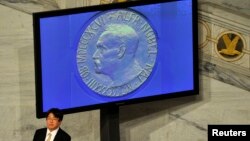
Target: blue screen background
[173,72]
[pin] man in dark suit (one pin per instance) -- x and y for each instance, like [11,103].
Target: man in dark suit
[53,132]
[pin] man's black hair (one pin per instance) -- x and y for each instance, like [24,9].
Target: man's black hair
[56,112]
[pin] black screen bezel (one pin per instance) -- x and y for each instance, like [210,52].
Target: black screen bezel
[37,55]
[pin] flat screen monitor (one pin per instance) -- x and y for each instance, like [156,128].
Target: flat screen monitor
[116,54]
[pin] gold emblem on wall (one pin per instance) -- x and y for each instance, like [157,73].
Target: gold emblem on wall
[230,46]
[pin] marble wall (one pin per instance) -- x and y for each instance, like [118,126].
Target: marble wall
[172,119]
[215,28]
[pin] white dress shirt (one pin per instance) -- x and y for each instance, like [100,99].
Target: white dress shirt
[53,134]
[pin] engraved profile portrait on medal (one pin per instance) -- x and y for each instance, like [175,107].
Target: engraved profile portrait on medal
[116,53]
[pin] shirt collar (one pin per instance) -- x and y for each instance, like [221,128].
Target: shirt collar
[53,132]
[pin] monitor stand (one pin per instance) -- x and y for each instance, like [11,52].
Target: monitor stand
[109,123]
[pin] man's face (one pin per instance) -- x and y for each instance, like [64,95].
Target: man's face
[52,122]
[106,56]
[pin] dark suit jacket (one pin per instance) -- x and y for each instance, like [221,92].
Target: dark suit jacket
[61,135]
